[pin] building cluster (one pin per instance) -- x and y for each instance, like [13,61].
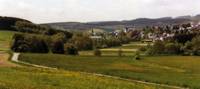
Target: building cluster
[156,32]
[163,33]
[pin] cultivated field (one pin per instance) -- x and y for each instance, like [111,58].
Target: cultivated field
[173,70]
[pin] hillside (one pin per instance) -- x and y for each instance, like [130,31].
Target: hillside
[112,25]
[9,22]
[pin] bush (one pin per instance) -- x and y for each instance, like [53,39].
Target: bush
[120,52]
[172,48]
[157,48]
[97,52]
[57,44]
[82,42]
[143,49]
[137,55]
[70,49]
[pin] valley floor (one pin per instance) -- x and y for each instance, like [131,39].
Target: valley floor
[15,76]
[180,71]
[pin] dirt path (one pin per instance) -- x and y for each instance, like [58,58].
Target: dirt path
[4,62]
[16,56]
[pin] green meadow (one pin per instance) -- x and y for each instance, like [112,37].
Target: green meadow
[25,77]
[181,71]
[32,78]
[5,39]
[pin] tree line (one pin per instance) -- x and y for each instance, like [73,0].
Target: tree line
[174,47]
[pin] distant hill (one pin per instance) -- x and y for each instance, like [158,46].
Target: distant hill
[7,23]
[113,25]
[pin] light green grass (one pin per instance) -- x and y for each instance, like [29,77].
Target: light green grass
[5,39]
[127,50]
[34,78]
[173,70]
[31,78]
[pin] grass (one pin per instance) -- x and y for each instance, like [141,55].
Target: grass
[5,39]
[19,77]
[31,78]
[127,50]
[107,53]
[173,70]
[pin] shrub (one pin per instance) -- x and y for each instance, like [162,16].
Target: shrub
[157,48]
[172,48]
[143,49]
[70,49]
[137,55]
[57,44]
[82,42]
[97,52]
[120,52]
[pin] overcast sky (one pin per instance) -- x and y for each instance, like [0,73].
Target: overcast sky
[43,11]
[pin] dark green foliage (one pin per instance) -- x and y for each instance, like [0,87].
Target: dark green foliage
[157,48]
[112,42]
[29,43]
[189,48]
[82,42]
[195,46]
[57,44]
[26,27]
[70,49]
[183,37]
[172,48]
[8,23]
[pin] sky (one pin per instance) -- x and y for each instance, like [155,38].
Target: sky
[46,11]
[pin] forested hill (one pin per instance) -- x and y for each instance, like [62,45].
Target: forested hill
[112,25]
[8,23]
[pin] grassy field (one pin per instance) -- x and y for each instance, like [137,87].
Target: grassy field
[5,38]
[31,78]
[13,76]
[127,50]
[173,70]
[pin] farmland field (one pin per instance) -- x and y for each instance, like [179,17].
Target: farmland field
[32,78]
[13,76]
[173,70]
[127,50]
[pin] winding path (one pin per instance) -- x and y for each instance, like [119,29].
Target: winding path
[16,56]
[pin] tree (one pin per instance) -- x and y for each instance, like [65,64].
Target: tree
[70,49]
[82,42]
[137,55]
[195,45]
[157,48]
[29,43]
[57,44]
[172,48]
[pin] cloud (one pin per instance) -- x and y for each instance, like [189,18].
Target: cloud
[42,11]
